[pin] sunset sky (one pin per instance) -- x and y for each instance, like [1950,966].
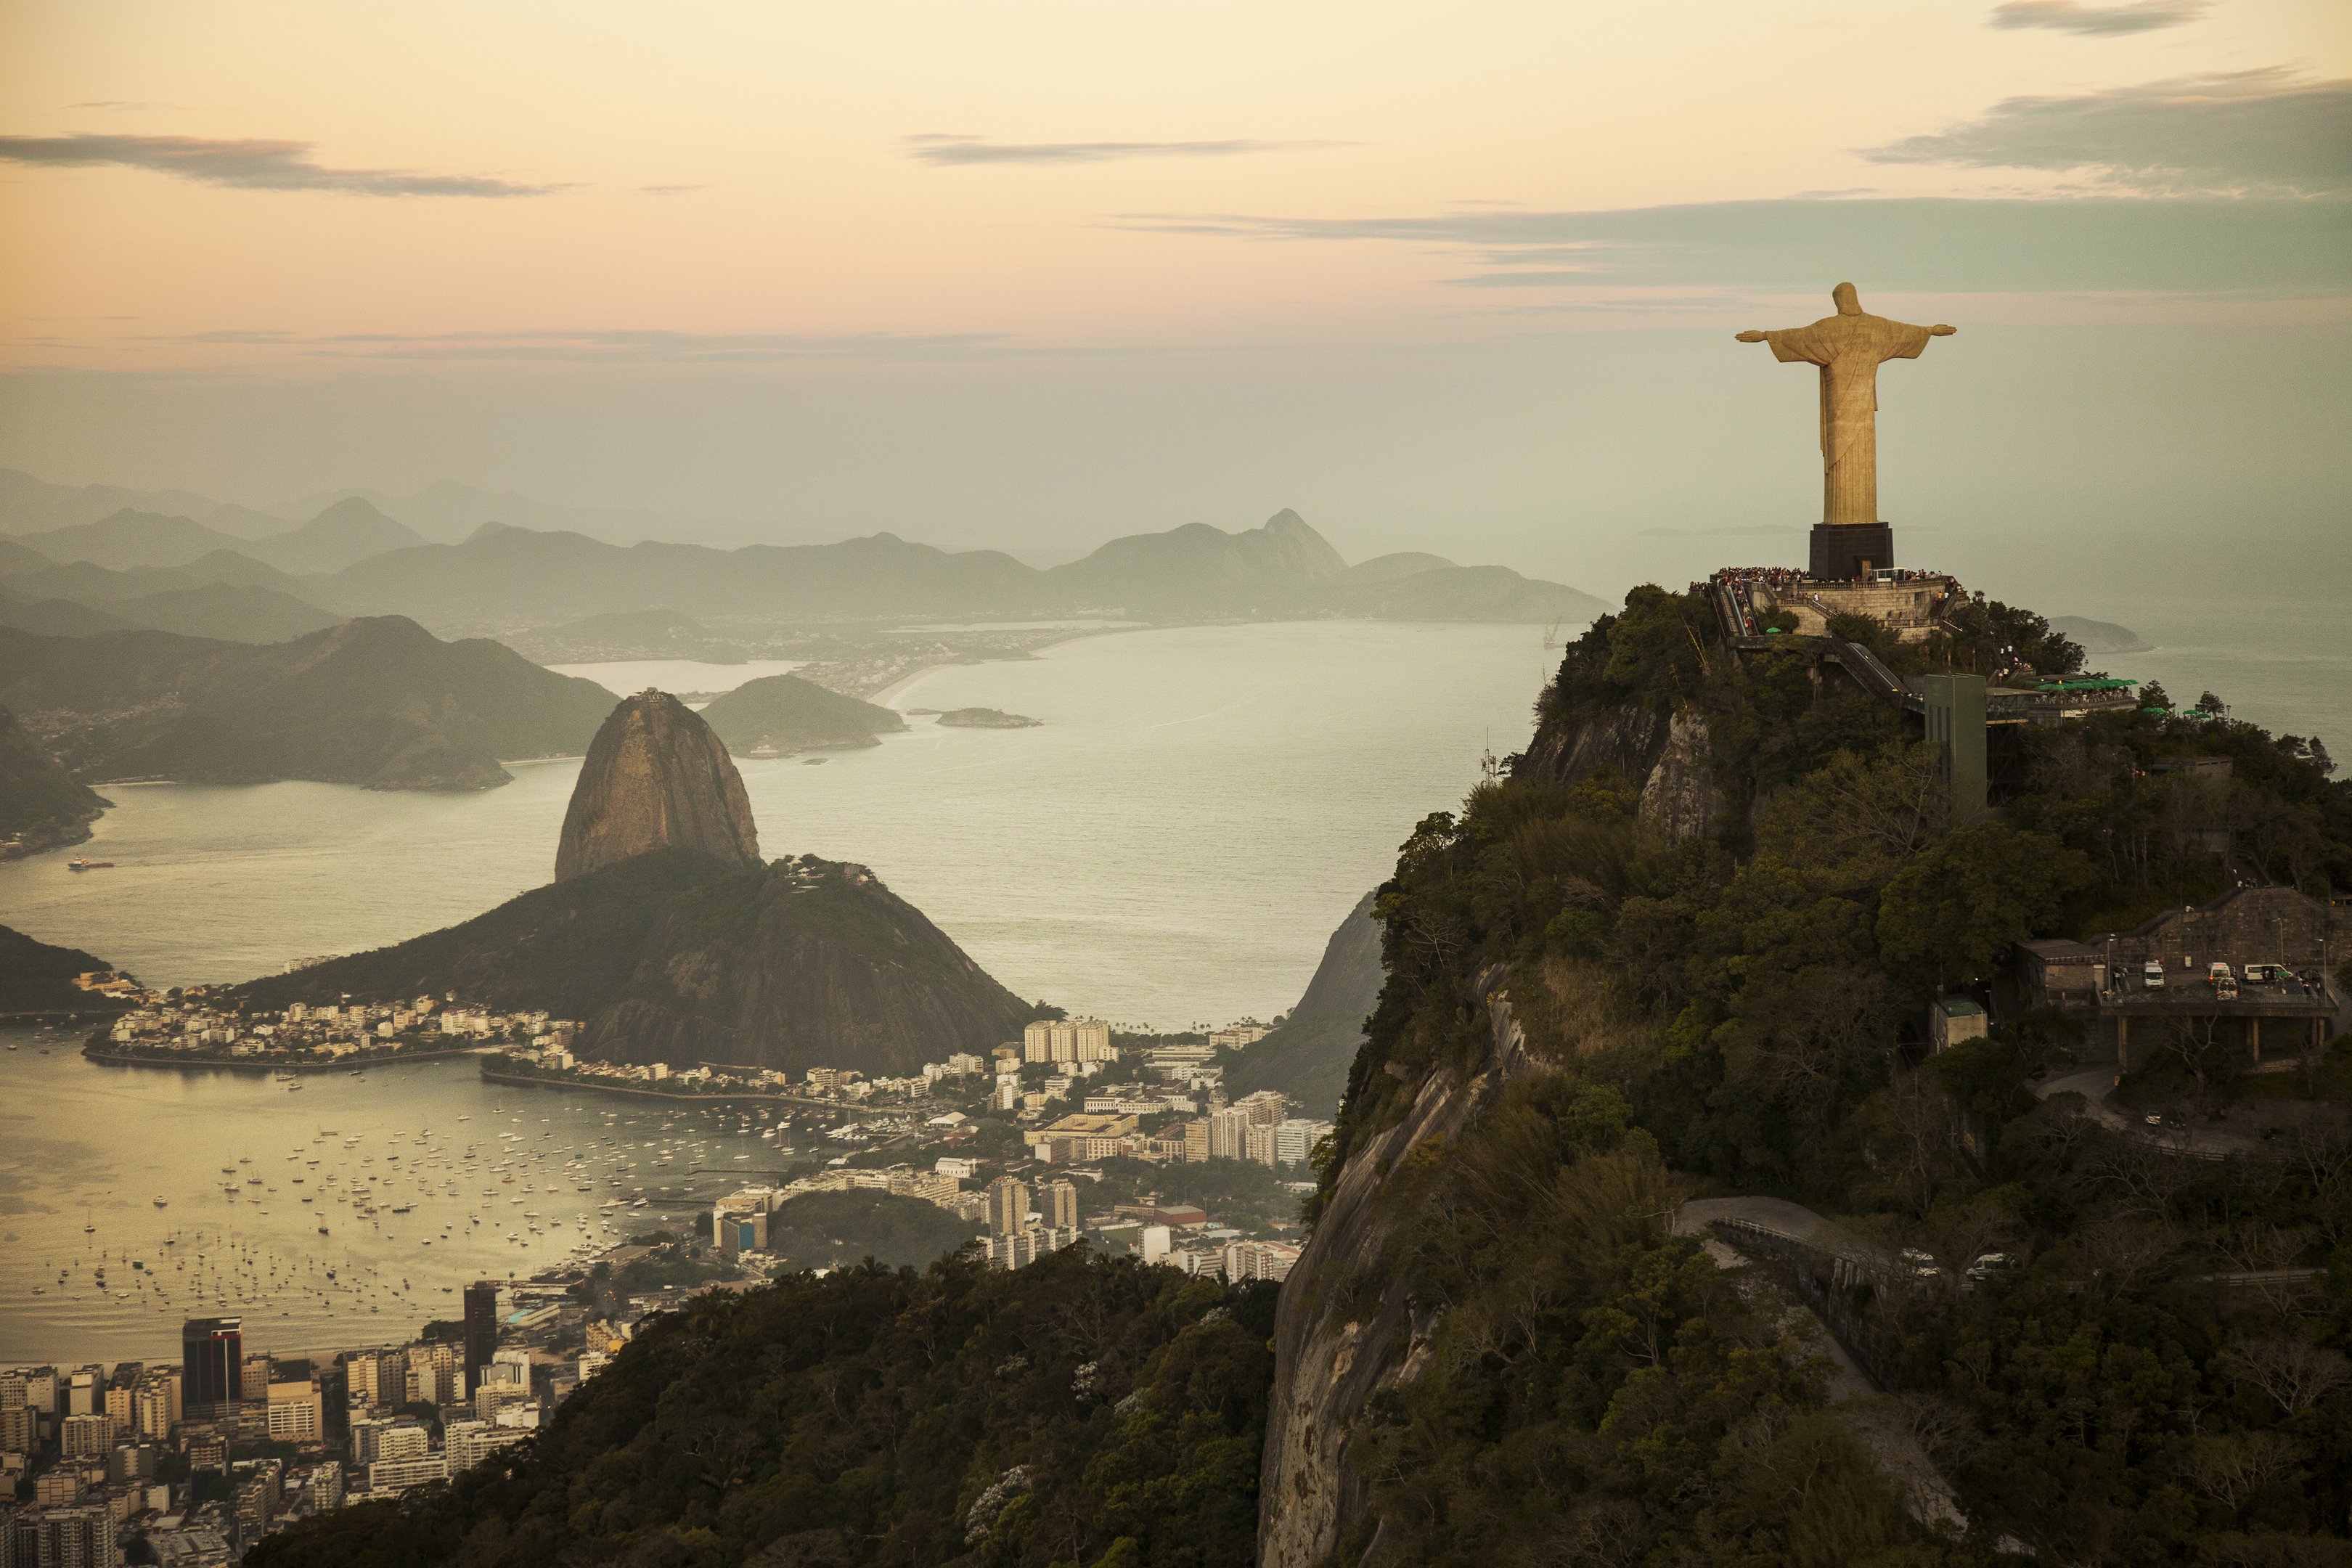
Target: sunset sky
[1029,273]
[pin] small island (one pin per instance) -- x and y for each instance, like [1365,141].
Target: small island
[986,718]
[2099,636]
[777,715]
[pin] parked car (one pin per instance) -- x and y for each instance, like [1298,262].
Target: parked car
[2218,973]
[1923,1264]
[2151,975]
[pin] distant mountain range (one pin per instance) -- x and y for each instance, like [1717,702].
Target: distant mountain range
[379,703]
[353,557]
[346,532]
[1282,568]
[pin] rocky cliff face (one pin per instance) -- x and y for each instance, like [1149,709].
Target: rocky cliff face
[1680,793]
[1666,754]
[1346,1328]
[656,778]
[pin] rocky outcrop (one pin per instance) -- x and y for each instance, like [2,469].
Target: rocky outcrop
[1667,754]
[1680,794]
[1307,1055]
[1346,1328]
[656,778]
[1625,741]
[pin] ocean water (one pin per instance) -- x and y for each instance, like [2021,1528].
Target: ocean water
[1198,809]
[623,676]
[499,1181]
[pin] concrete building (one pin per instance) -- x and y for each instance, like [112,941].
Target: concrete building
[469,1443]
[1008,1205]
[1081,1136]
[294,1413]
[76,1536]
[1295,1139]
[1019,1248]
[1060,1203]
[1259,1259]
[85,1437]
[1953,1021]
[399,1475]
[1067,1040]
[2150,983]
[738,1222]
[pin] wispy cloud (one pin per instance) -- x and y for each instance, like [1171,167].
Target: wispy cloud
[2189,244]
[2099,21]
[123,103]
[964,150]
[251,165]
[670,190]
[610,347]
[1548,278]
[2269,131]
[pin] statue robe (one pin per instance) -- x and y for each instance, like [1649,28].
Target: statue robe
[1849,349]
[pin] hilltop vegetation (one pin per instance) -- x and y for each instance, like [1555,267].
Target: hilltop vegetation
[833,1230]
[784,713]
[676,956]
[381,703]
[37,978]
[41,805]
[1076,1411]
[1749,1006]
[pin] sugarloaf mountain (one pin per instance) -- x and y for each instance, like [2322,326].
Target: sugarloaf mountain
[671,940]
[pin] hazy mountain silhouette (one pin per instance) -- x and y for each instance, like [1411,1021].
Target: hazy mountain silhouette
[379,702]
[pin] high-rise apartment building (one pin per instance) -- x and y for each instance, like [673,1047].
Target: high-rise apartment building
[1008,1205]
[1067,1040]
[481,1332]
[1062,1205]
[212,1360]
[1295,1139]
[79,1535]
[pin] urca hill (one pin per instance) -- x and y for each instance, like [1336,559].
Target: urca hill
[667,934]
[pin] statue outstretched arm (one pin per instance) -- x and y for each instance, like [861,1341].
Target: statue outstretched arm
[1751,337]
[1937,331]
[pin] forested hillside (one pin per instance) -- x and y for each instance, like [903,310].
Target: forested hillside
[1076,1411]
[1748,1003]
[1508,1342]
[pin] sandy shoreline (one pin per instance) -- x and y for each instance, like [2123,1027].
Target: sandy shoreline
[898,687]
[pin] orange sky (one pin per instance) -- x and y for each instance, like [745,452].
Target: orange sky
[804,211]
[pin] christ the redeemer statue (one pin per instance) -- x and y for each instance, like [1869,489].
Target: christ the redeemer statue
[1849,347]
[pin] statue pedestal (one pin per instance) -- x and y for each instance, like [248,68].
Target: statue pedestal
[1843,551]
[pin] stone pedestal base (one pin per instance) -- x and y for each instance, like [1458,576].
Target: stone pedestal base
[1843,551]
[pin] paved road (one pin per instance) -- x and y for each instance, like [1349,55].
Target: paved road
[2096,1086]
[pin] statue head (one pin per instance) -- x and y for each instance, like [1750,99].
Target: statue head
[1849,303]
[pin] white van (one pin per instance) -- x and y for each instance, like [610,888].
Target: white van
[2151,975]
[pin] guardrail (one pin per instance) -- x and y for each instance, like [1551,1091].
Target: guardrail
[1824,1281]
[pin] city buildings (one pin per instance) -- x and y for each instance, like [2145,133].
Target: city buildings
[1067,1040]
[212,1352]
[481,1322]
